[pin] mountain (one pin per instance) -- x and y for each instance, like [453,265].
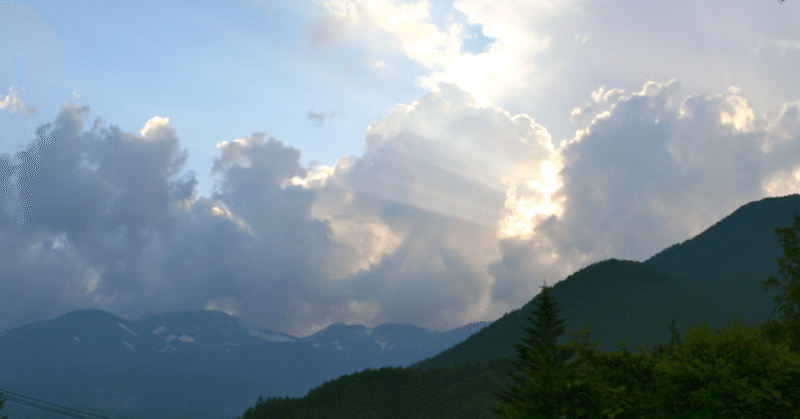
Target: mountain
[712,277]
[731,258]
[618,299]
[392,344]
[80,337]
[207,362]
[192,331]
[201,361]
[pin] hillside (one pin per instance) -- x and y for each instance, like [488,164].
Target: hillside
[712,277]
[715,276]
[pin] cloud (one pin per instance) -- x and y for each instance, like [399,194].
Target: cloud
[319,118]
[650,163]
[27,170]
[415,219]
[117,225]
[543,56]
[12,103]
[455,212]
[403,233]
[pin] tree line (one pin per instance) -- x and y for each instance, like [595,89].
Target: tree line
[737,371]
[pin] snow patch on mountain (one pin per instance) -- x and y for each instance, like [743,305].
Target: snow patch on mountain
[126,329]
[159,330]
[269,337]
[382,344]
[76,339]
[129,345]
[182,338]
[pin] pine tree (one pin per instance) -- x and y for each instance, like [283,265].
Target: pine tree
[540,366]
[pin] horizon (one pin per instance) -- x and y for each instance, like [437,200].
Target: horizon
[238,319]
[433,163]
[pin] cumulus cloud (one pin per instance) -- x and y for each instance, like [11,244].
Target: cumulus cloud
[651,163]
[27,170]
[12,103]
[543,56]
[455,212]
[415,218]
[402,233]
[117,225]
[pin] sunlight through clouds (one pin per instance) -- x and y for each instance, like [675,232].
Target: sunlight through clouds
[519,222]
[490,147]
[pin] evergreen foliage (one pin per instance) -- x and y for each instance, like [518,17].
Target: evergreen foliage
[539,366]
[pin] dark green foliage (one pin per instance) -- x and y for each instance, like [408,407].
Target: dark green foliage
[674,341]
[788,325]
[2,402]
[730,372]
[448,393]
[539,366]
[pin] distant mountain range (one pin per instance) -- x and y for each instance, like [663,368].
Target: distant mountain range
[191,361]
[168,365]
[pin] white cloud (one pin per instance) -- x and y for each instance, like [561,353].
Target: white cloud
[12,103]
[153,125]
[649,164]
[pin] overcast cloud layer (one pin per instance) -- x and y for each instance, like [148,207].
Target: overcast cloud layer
[463,201]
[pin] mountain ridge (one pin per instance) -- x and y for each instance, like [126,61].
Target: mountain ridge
[744,243]
[205,360]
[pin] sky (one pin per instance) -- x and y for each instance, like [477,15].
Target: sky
[308,162]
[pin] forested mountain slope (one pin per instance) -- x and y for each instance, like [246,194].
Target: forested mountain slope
[713,277]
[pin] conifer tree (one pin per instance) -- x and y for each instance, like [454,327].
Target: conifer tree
[540,366]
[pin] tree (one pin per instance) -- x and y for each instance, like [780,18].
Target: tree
[788,325]
[2,402]
[674,341]
[731,372]
[539,367]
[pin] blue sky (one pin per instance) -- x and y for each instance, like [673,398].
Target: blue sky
[312,162]
[220,70]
